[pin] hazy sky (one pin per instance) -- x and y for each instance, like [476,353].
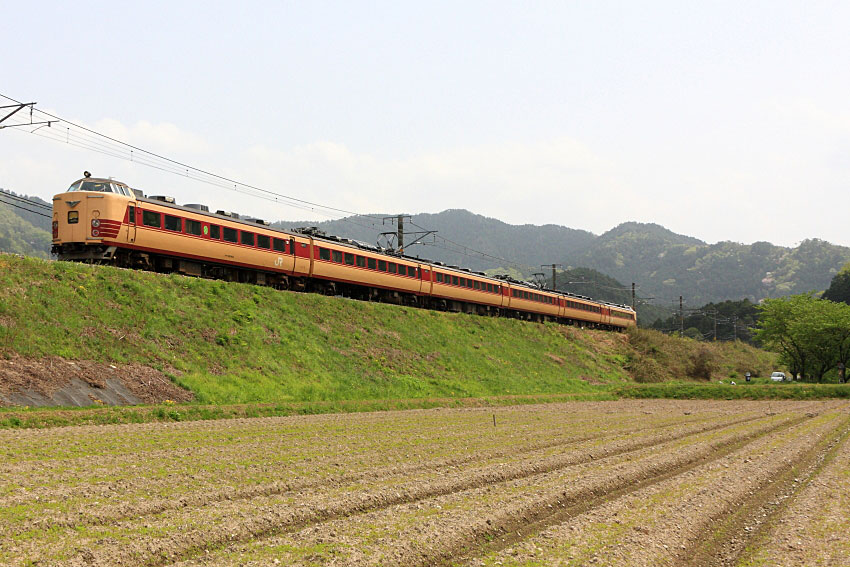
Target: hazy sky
[721,120]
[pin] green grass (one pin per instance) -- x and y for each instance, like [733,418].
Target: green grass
[759,391]
[236,343]
[246,350]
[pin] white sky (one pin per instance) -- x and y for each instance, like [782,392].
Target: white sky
[720,120]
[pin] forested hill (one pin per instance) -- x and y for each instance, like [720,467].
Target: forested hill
[666,265]
[23,232]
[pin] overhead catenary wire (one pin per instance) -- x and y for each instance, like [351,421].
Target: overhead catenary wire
[69,133]
[16,205]
[27,201]
[135,152]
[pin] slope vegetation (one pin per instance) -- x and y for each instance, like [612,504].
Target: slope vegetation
[235,343]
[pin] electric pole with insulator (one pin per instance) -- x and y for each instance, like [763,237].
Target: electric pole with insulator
[554,273]
[681,318]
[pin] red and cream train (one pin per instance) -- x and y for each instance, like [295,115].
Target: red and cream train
[105,221]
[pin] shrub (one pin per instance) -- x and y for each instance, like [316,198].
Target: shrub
[702,364]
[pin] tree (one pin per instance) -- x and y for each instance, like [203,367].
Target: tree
[839,289]
[811,335]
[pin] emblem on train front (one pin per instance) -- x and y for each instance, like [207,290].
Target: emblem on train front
[72,204]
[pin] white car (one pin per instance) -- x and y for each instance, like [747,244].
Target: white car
[778,377]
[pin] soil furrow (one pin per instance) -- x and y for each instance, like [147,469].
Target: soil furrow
[135,478]
[108,514]
[812,528]
[513,525]
[662,523]
[748,521]
[502,522]
[395,488]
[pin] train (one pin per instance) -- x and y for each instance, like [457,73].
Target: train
[105,221]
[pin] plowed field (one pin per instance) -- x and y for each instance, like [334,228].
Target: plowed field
[606,483]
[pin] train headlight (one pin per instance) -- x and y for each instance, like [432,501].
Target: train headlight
[95,232]
[95,223]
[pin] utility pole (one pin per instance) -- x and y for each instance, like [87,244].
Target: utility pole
[681,318]
[554,273]
[400,228]
[735,326]
[715,324]
[633,296]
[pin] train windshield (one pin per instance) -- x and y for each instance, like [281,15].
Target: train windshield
[88,185]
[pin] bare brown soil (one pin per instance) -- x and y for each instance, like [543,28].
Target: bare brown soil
[57,381]
[583,483]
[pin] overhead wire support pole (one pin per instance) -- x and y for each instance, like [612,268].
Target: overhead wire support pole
[399,233]
[554,273]
[681,318]
[17,108]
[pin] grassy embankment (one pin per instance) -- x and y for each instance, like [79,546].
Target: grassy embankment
[304,353]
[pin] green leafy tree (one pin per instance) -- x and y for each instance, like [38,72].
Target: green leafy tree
[811,335]
[839,289]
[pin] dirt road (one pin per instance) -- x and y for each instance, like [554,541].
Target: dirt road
[606,483]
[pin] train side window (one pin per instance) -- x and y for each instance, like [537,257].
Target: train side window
[391,268]
[455,280]
[150,218]
[131,214]
[462,282]
[263,241]
[173,223]
[215,232]
[324,254]
[402,270]
[229,234]
[469,284]
[370,263]
[497,289]
[247,238]
[336,256]
[439,277]
[477,284]
[361,262]
[382,265]
[193,227]
[279,245]
[349,259]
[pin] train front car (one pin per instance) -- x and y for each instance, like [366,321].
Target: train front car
[88,219]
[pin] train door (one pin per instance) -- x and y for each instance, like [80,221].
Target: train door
[133,213]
